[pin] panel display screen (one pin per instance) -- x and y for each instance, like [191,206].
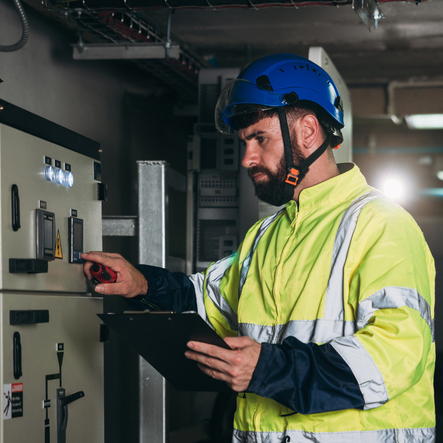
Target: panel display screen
[48,233]
[78,236]
[75,239]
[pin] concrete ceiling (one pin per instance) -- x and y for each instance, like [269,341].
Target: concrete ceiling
[408,42]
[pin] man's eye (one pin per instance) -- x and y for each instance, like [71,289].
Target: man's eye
[260,139]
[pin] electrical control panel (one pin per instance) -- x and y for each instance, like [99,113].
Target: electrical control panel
[51,354]
[50,212]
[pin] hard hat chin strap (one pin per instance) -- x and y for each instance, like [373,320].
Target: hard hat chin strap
[295,173]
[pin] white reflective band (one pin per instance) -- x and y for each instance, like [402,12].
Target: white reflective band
[391,298]
[307,331]
[213,278]
[198,281]
[417,435]
[334,308]
[247,261]
[323,330]
[369,377]
[333,325]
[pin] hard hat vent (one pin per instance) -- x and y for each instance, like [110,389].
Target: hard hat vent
[264,82]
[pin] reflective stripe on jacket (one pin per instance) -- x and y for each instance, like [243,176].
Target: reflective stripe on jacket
[345,273]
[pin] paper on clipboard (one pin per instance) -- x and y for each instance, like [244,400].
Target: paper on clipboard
[161,337]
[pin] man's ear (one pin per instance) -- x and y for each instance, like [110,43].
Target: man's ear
[309,131]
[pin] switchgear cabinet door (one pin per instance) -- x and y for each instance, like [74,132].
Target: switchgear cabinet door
[52,369]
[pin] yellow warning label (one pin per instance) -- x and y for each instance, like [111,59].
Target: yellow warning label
[58,247]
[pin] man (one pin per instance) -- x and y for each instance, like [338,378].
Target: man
[328,304]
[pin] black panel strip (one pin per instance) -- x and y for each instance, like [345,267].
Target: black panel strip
[40,127]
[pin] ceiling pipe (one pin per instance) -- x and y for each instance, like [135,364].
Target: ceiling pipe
[411,84]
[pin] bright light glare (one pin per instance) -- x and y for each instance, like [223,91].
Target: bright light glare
[394,189]
[425,121]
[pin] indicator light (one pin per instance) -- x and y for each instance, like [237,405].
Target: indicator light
[60,177]
[49,173]
[69,179]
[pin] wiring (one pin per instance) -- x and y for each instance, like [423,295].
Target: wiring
[25,31]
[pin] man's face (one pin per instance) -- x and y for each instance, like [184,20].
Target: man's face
[264,158]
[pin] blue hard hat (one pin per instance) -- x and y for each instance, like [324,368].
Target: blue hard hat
[275,81]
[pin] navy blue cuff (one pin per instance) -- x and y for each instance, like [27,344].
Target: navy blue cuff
[263,360]
[167,291]
[150,273]
[307,378]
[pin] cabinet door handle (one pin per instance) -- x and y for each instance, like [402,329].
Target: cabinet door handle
[17,355]
[15,208]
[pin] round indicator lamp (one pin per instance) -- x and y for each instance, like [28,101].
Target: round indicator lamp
[59,177]
[69,179]
[49,173]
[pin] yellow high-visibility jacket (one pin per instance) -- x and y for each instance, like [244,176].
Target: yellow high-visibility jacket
[339,289]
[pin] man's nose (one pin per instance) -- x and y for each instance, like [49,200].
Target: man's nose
[250,157]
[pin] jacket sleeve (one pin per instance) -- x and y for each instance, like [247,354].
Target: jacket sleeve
[213,294]
[392,278]
[305,377]
[201,292]
[388,280]
[167,291]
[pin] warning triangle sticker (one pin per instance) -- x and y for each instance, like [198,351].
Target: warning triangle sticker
[58,247]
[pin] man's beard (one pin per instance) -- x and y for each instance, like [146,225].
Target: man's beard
[271,190]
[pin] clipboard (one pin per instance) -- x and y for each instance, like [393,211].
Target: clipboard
[161,337]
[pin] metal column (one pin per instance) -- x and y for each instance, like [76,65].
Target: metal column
[152,216]
[155,178]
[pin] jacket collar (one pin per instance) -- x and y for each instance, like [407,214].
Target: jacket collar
[337,189]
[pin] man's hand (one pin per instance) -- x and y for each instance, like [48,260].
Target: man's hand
[234,366]
[130,281]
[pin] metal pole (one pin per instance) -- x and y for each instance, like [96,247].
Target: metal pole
[152,212]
